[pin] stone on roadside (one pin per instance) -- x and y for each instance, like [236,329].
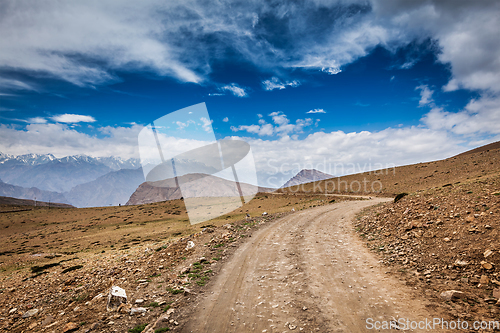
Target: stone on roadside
[190,245]
[487,253]
[484,280]
[137,310]
[451,295]
[486,265]
[116,297]
[496,293]
[460,263]
[30,313]
[70,327]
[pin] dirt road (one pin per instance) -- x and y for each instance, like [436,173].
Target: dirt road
[307,272]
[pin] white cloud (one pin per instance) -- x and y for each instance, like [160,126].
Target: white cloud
[62,140]
[181,125]
[207,124]
[316,111]
[73,118]
[466,33]
[425,95]
[480,116]
[276,83]
[226,119]
[234,89]
[281,127]
[37,120]
[12,84]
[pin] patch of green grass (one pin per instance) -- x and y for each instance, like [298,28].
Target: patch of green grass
[216,258]
[165,309]
[219,245]
[138,328]
[154,305]
[155,275]
[202,281]
[80,297]
[160,330]
[174,291]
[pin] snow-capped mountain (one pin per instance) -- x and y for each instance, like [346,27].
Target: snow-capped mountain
[49,173]
[26,159]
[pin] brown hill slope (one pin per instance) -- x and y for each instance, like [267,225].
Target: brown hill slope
[491,146]
[410,178]
[7,202]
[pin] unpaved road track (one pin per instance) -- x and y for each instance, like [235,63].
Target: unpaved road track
[307,272]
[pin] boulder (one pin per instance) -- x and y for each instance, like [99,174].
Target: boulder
[116,297]
[451,295]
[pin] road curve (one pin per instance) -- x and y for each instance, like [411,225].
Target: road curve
[306,272]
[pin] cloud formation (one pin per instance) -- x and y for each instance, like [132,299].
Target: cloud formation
[234,89]
[316,111]
[276,83]
[87,43]
[69,118]
[281,126]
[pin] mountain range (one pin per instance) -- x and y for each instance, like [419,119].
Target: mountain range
[80,180]
[85,181]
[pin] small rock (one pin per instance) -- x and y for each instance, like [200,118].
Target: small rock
[487,253]
[139,301]
[451,295]
[30,313]
[486,265]
[446,239]
[304,308]
[264,214]
[496,293]
[137,310]
[190,245]
[484,280]
[116,297]
[490,300]
[461,263]
[291,326]
[12,310]
[70,327]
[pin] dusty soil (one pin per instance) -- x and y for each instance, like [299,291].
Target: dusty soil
[67,291]
[307,271]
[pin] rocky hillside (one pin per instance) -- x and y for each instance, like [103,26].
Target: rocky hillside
[19,192]
[445,242]
[306,176]
[410,178]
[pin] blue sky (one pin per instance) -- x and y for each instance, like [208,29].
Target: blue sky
[352,81]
